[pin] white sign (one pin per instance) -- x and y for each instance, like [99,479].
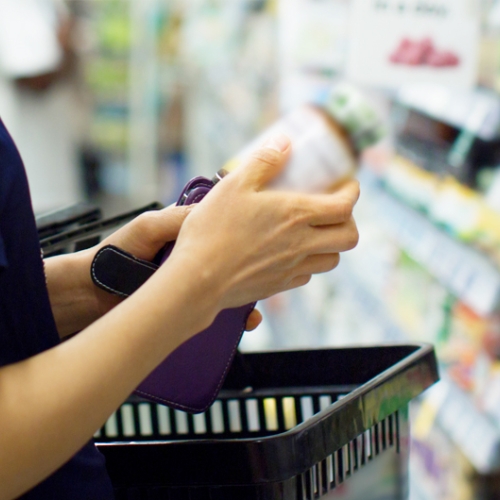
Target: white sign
[394,42]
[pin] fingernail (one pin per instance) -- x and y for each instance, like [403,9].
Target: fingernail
[279,142]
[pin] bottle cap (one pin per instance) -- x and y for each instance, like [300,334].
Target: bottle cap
[353,111]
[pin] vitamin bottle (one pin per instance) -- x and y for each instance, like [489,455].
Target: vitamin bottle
[327,140]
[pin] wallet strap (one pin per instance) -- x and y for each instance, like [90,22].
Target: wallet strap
[119,272]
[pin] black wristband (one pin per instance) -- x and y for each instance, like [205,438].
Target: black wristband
[119,272]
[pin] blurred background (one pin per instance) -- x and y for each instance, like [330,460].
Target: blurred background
[119,102]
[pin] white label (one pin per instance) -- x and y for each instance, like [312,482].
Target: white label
[319,156]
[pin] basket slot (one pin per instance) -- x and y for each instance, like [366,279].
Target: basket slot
[324,402]
[397,432]
[363,451]
[308,485]
[217,418]
[380,437]
[146,424]
[174,422]
[252,410]
[340,466]
[383,434]
[164,420]
[356,446]
[128,420]
[335,463]
[302,487]
[390,429]
[330,472]
[111,426]
[307,407]
[290,416]
[234,411]
[316,477]
[181,423]
[200,423]
[270,414]
[376,439]
[368,444]
[348,460]
[324,480]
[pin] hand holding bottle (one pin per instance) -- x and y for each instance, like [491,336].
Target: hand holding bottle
[252,242]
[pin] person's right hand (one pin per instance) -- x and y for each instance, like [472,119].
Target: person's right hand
[248,242]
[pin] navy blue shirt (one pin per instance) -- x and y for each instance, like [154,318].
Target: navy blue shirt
[27,325]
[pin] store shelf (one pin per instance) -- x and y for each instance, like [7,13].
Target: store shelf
[474,433]
[416,490]
[465,272]
[477,110]
[371,305]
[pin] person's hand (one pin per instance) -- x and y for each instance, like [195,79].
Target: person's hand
[148,233]
[249,243]
[144,237]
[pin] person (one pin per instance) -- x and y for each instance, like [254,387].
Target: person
[40,97]
[242,244]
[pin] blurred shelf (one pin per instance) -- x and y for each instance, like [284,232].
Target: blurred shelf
[477,435]
[474,433]
[417,491]
[475,110]
[372,306]
[466,273]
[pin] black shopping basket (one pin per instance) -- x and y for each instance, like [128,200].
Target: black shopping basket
[295,425]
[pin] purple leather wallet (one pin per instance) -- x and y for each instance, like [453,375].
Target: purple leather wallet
[190,378]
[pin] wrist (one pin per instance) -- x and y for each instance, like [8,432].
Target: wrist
[195,286]
[99,301]
[75,301]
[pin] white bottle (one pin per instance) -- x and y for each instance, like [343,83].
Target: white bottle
[327,140]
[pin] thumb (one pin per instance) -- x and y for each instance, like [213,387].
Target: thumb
[262,165]
[148,233]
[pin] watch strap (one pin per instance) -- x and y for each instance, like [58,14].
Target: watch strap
[119,272]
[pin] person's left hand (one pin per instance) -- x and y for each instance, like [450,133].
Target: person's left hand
[148,233]
[144,237]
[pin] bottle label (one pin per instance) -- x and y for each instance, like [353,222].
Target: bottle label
[320,157]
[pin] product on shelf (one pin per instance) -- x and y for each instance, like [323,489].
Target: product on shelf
[439,470]
[459,210]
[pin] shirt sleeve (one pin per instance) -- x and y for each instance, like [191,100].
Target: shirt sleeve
[28,38]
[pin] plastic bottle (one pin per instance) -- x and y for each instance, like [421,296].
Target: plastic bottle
[327,140]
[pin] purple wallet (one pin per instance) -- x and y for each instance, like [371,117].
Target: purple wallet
[191,377]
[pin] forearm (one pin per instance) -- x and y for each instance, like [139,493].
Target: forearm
[75,301]
[50,405]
